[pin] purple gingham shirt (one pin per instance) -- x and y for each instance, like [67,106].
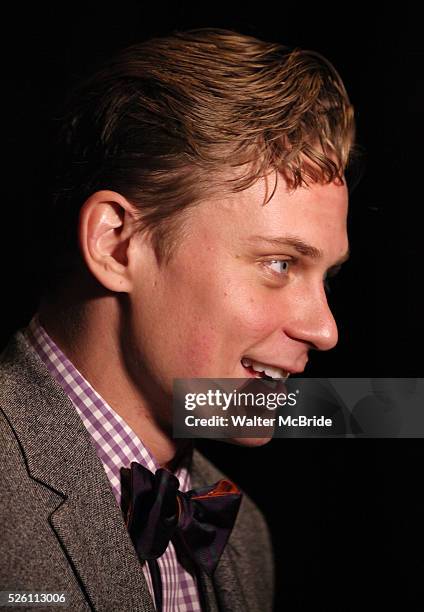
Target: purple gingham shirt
[117,446]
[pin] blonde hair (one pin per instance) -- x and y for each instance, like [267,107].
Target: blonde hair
[167,121]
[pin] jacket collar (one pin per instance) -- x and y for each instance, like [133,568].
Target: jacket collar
[60,455]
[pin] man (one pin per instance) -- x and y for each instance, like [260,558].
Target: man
[199,206]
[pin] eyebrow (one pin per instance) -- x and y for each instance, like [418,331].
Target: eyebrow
[299,245]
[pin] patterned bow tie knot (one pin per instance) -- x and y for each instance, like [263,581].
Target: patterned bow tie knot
[199,521]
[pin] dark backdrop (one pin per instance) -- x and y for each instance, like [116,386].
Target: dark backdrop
[345,514]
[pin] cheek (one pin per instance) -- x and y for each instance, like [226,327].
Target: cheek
[255,318]
[222,330]
[196,351]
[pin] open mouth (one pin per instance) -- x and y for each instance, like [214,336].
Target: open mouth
[257,369]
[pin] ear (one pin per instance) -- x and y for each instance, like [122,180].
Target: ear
[106,226]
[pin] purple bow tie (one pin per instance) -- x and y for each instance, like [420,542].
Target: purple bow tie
[199,522]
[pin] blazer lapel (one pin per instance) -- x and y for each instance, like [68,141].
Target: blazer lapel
[60,455]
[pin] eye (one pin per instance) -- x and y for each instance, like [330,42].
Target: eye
[330,274]
[327,287]
[279,266]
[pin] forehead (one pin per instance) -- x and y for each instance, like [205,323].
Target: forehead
[317,215]
[304,208]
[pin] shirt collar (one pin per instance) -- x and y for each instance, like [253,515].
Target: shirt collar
[117,445]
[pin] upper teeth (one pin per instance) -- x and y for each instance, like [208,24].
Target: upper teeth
[270,371]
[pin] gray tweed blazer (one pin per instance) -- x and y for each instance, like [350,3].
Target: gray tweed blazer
[61,529]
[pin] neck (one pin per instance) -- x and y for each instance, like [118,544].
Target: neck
[88,335]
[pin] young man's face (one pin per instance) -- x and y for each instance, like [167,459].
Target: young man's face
[238,288]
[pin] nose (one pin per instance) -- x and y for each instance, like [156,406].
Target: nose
[313,322]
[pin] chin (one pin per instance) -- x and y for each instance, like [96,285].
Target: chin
[248,441]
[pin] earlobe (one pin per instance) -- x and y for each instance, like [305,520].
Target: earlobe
[105,228]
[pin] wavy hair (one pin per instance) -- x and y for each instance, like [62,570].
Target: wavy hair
[173,120]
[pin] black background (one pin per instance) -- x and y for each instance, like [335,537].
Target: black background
[345,514]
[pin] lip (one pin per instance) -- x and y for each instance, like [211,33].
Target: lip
[251,372]
[255,383]
[290,369]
